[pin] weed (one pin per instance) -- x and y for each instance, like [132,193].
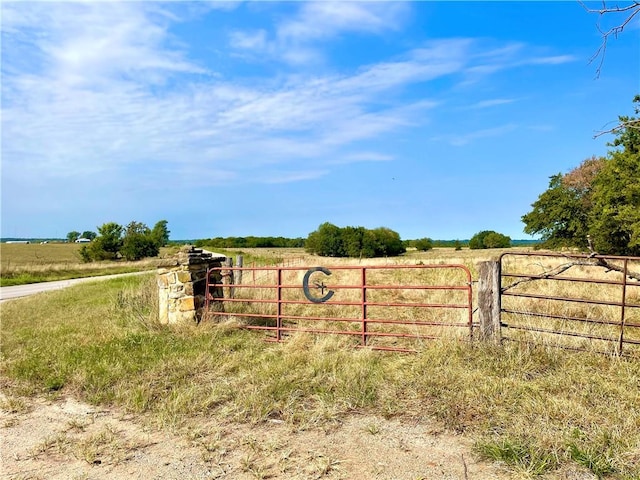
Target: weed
[103,444]
[373,428]
[321,465]
[13,405]
[58,443]
[77,425]
[519,454]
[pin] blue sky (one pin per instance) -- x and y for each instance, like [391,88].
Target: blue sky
[435,119]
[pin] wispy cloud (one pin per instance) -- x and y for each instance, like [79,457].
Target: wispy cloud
[295,39]
[319,20]
[460,140]
[108,92]
[297,176]
[493,102]
[550,60]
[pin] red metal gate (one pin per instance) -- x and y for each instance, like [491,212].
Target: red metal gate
[391,307]
[582,302]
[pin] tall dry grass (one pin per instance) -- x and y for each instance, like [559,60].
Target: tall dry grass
[585,320]
[583,325]
[540,410]
[399,309]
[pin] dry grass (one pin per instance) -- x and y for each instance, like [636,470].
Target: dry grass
[600,321]
[395,317]
[32,263]
[587,323]
[534,408]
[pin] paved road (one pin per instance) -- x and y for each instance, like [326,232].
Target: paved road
[7,293]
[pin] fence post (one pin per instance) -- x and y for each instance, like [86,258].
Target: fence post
[489,301]
[228,275]
[240,264]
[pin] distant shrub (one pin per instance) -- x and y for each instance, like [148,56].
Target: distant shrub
[423,244]
[358,242]
[489,239]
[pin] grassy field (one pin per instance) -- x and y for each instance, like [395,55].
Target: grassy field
[32,263]
[535,408]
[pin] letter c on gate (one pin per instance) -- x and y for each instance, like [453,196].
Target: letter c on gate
[319,286]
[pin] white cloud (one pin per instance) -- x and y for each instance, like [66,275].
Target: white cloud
[288,177]
[466,138]
[325,19]
[294,40]
[550,60]
[108,95]
[493,102]
[255,40]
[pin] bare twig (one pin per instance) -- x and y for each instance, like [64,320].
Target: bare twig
[592,261]
[634,123]
[466,472]
[631,10]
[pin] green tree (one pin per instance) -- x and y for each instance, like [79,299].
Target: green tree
[139,242]
[600,198]
[358,242]
[423,244]
[88,234]
[160,233]
[73,236]
[489,239]
[496,240]
[106,245]
[110,237]
[326,241]
[614,220]
[388,242]
[561,214]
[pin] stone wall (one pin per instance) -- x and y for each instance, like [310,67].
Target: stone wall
[181,288]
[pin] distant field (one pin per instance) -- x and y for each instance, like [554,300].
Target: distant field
[34,262]
[19,254]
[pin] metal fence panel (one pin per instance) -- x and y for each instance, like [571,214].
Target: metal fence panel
[583,302]
[393,307]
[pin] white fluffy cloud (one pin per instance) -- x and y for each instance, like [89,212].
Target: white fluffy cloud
[107,90]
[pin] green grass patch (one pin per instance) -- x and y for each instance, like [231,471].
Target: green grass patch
[23,278]
[22,264]
[523,456]
[536,410]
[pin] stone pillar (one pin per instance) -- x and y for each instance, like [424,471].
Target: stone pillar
[181,288]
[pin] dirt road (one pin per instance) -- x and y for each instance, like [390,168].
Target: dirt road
[17,291]
[66,439]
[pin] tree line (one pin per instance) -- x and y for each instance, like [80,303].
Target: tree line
[251,242]
[131,242]
[357,242]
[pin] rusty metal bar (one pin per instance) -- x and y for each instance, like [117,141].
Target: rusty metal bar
[623,303]
[565,279]
[563,347]
[568,256]
[562,299]
[624,298]
[363,280]
[560,332]
[567,317]
[279,316]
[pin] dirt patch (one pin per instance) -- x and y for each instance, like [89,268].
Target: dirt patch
[66,439]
